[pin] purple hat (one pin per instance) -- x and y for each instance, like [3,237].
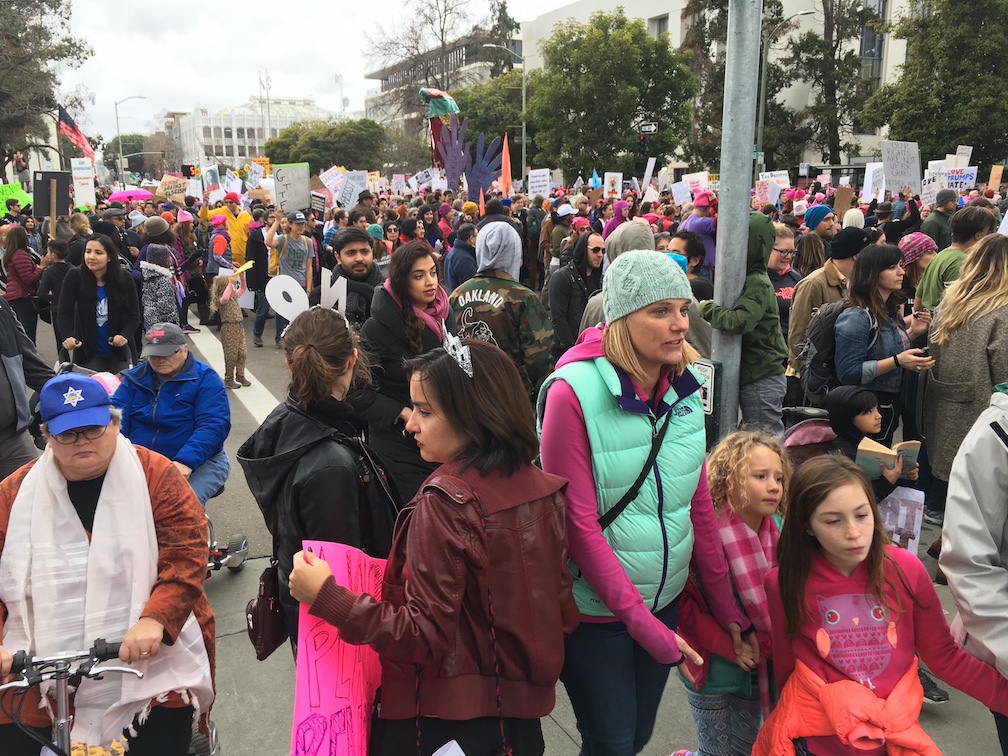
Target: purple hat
[445,209]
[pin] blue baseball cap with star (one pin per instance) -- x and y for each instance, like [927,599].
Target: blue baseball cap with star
[71,401]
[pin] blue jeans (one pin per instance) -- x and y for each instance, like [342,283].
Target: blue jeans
[281,325]
[614,686]
[726,724]
[761,403]
[207,479]
[261,313]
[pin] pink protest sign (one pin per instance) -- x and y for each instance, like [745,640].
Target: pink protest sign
[336,681]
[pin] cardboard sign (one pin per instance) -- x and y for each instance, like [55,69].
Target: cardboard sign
[260,194]
[842,200]
[539,182]
[874,182]
[962,157]
[902,167]
[41,192]
[83,181]
[994,182]
[373,180]
[762,192]
[612,184]
[681,193]
[782,178]
[962,178]
[335,683]
[292,186]
[173,189]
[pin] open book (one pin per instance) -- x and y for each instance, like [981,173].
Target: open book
[873,456]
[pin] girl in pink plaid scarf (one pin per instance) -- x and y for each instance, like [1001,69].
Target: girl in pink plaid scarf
[748,474]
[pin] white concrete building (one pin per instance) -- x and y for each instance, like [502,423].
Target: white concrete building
[881,56]
[236,133]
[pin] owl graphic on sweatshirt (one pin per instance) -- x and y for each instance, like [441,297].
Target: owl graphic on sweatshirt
[856,636]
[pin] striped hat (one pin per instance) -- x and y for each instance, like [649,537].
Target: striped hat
[914,246]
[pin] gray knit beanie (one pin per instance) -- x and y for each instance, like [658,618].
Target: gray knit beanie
[639,278]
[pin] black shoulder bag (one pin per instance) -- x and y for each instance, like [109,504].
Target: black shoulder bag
[607,519]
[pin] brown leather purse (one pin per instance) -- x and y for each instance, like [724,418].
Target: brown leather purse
[267,627]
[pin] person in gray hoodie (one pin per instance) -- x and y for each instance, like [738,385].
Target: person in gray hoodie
[629,236]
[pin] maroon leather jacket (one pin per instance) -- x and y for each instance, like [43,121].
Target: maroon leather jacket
[434,619]
[22,277]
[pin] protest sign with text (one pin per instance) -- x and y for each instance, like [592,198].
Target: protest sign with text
[781,178]
[874,182]
[901,162]
[539,182]
[962,178]
[697,182]
[256,174]
[83,181]
[962,157]
[332,178]
[994,182]
[399,183]
[292,186]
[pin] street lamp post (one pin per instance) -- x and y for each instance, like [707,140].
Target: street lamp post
[521,60]
[122,170]
[763,77]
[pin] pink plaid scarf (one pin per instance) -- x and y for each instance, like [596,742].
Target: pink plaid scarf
[750,556]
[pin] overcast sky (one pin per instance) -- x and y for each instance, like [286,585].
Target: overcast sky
[209,53]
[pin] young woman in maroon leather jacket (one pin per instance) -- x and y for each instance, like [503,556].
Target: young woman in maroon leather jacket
[476,596]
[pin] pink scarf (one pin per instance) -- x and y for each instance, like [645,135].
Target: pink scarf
[750,556]
[434,314]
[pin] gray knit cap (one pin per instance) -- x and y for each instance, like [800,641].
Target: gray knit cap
[639,278]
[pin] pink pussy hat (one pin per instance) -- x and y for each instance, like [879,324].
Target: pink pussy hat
[184,217]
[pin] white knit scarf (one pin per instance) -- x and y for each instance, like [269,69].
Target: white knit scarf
[63,592]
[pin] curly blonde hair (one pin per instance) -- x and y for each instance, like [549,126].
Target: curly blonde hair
[728,467]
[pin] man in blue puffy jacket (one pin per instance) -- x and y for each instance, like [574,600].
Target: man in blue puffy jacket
[178,407]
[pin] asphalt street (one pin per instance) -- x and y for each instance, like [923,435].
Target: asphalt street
[255,700]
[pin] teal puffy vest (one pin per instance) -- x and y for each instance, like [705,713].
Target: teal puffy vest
[653,537]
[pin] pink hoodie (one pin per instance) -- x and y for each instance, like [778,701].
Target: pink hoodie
[566,452]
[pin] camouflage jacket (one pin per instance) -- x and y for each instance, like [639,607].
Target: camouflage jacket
[495,308]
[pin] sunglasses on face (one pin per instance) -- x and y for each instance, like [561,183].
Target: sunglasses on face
[596,250]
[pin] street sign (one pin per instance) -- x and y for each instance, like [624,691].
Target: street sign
[803,169]
[650,127]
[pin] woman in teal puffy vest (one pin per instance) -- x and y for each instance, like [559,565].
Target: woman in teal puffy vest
[615,395]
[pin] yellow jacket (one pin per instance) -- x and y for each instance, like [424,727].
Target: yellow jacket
[238,229]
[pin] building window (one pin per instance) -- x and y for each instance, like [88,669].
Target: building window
[206,132]
[219,151]
[241,151]
[872,44]
[229,151]
[240,132]
[217,131]
[259,133]
[208,150]
[227,132]
[658,25]
[273,132]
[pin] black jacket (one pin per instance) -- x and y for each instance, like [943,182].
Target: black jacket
[384,336]
[841,417]
[569,291]
[784,284]
[77,316]
[304,479]
[255,250]
[360,292]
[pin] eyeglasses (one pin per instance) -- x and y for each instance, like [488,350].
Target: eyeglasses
[91,433]
[596,250]
[784,252]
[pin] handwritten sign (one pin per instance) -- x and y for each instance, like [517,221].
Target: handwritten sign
[256,174]
[292,186]
[539,182]
[83,181]
[762,192]
[399,183]
[232,183]
[930,187]
[938,165]
[781,178]
[373,180]
[962,178]
[173,189]
[901,164]
[265,163]
[994,182]
[962,157]
[335,681]
[681,193]
[874,182]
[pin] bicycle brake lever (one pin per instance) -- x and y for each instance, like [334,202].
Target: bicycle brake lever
[96,672]
[22,683]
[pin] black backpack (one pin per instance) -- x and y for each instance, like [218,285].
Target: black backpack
[817,353]
[379,497]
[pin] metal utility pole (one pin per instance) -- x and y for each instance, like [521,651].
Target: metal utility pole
[741,68]
[122,172]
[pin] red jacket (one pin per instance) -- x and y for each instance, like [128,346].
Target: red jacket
[22,277]
[433,617]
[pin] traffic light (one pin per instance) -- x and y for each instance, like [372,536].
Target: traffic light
[189,170]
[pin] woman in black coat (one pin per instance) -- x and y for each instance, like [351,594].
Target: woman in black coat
[406,320]
[98,305]
[571,286]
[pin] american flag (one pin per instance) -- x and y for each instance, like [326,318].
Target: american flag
[68,128]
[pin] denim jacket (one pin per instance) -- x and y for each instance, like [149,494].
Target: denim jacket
[858,350]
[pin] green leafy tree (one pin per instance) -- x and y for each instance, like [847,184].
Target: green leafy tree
[599,82]
[131,144]
[35,42]
[830,63]
[404,152]
[494,108]
[784,139]
[322,144]
[501,28]
[944,97]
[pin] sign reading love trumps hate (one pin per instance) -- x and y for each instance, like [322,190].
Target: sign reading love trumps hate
[336,681]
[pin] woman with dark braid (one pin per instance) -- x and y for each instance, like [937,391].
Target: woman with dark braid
[408,316]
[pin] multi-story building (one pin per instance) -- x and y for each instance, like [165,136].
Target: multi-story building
[236,133]
[881,55]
